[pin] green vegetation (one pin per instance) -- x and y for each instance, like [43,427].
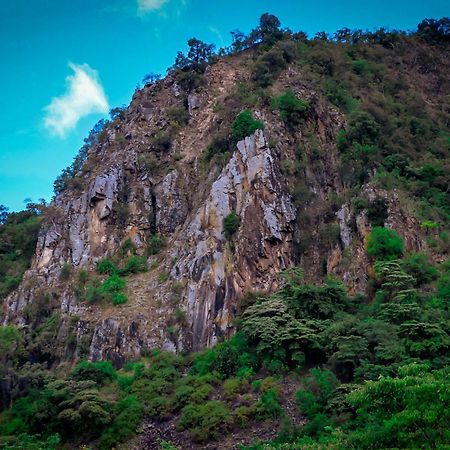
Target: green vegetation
[231,224]
[379,375]
[18,237]
[384,244]
[292,110]
[244,125]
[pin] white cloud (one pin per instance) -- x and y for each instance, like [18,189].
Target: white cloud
[84,95]
[150,5]
[216,31]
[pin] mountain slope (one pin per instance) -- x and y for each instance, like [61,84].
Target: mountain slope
[180,213]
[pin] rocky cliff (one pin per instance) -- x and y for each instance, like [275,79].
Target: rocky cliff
[148,176]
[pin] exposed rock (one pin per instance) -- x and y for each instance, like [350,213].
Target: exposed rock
[193,103]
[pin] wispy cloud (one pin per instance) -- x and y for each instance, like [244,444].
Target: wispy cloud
[150,5]
[84,95]
[216,31]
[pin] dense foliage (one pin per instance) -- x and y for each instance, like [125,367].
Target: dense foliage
[380,378]
[18,237]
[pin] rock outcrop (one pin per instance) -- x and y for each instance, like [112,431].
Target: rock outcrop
[148,177]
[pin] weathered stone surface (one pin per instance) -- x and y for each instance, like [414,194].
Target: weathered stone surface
[193,103]
[249,185]
[131,188]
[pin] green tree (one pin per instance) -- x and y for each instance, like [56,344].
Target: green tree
[244,125]
[384,244]
[292,110]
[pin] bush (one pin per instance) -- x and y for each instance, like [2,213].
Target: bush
[93,291]
[100,372]
[384,244]
[178,115]
[418,266]
[106,266]
[268,406]
[128,416]
[207,421]
[231,224]
[243,414]
[155,243]
[319,388]
[119,298]
[269,66]
[134,264]
[340,97]
[234,386]
[218,146]
[66,270]
[112,285]
[377,212]
[121,212]
[245,125]
[292,110]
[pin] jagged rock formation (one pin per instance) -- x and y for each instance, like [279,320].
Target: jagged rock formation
[166,188]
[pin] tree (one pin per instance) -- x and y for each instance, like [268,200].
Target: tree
[3,214]
[292,110]
[434,30]
[198,56]
[118,112]
[384,244]
[238,41]
[406,412]
[244,125]
[151,78]
[269,29]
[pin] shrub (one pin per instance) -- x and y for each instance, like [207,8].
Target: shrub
[243,414]
[66,270]
[340,97]
[245,125]
[218,146]
[268,66]
[106,266]
[119,298]
[128,416]
[377,212]
[178,115]
[330,234]
[113,284]
[234,386]
[121,212]
[83,276]
[93,291]
[155,243]
[231,224]
[226,358]
[162,141]
[319,388]
[292,110]
[268,406]
[361,67]
[384,244]
[418,266]
[100,372]
[206,421]
[134,264]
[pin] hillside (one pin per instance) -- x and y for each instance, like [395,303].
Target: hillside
[281,208]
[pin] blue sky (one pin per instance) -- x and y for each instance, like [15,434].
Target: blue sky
[66,62]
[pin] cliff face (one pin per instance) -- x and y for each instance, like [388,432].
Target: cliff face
[170,190]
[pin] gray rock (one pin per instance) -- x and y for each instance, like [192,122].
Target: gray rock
[193,103]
